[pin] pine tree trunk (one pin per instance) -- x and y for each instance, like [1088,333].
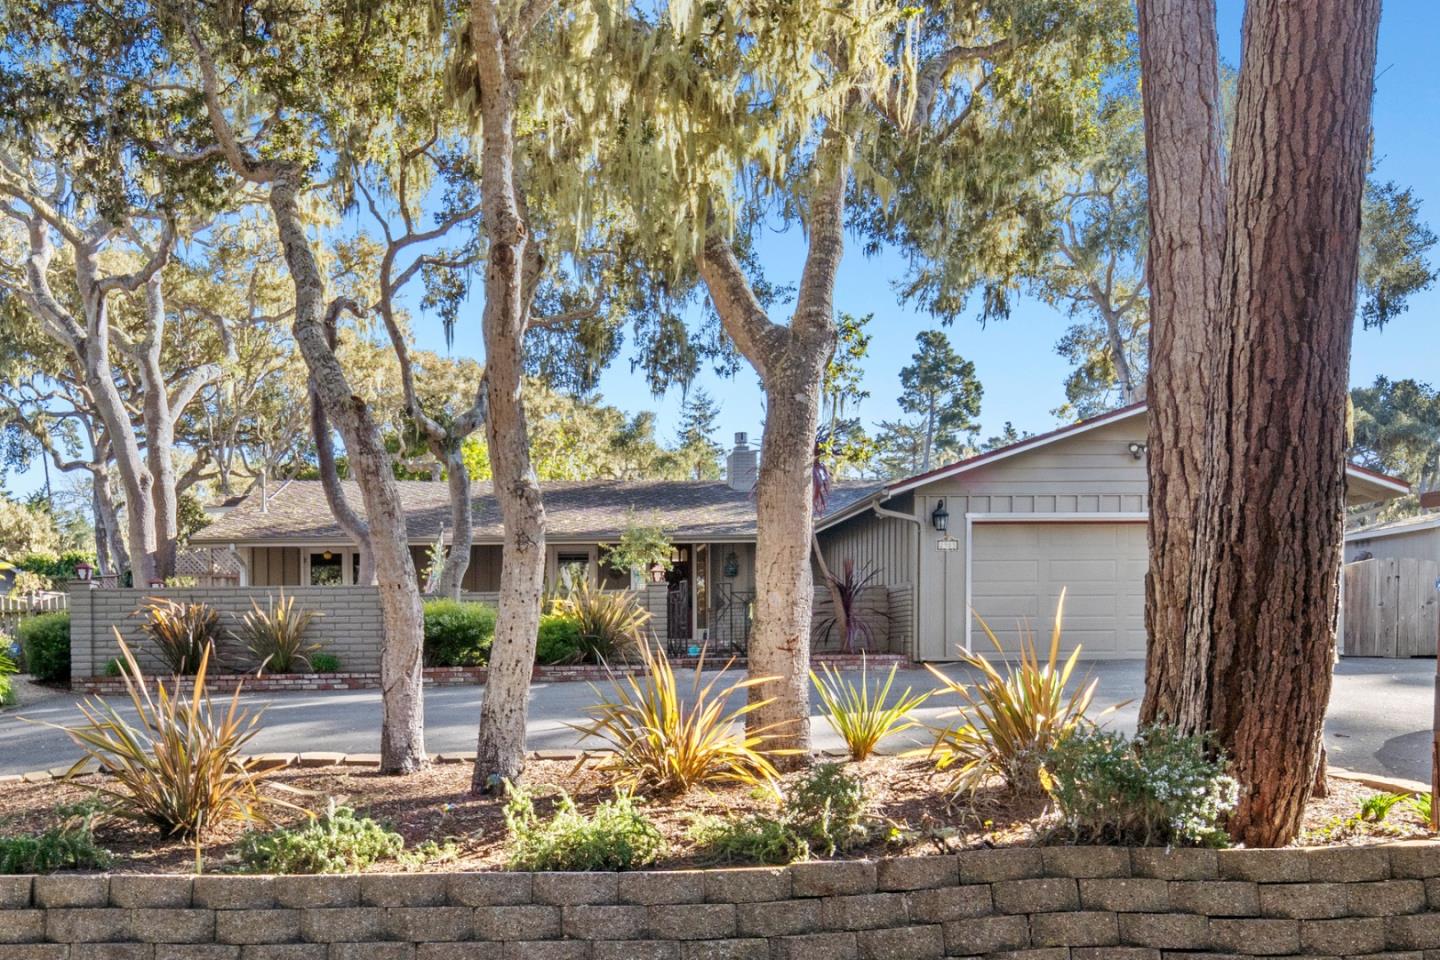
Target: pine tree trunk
[1181,88]
[402,732]
[500,750]
[1266,577]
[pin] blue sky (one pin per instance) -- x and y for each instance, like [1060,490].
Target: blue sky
[1015,359]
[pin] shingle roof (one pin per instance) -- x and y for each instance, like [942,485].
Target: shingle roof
[579,511]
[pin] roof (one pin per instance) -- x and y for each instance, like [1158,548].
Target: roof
[578,511]
[1381,485]
[1393,528]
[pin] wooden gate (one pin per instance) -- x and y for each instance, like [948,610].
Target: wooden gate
[1392,608]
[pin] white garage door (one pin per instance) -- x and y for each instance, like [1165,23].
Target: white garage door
[1019,569]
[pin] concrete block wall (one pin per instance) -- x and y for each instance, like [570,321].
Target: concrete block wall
[1054,903]
[348,625]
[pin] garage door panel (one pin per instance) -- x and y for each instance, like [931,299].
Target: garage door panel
[1018,571]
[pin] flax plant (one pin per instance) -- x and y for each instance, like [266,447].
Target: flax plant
[862,718]
[276,635]
[179,766]
[666,741]
[1011,718]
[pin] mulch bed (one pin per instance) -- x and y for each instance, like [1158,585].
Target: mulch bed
[906,797]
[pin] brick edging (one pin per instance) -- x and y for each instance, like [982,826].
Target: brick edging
[1077,903]
[445,676]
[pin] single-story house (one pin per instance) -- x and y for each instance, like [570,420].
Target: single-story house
[1003,532]
[1000,533]
[1415,538]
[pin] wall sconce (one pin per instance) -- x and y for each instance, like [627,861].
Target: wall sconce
[1137,450]
[940,517]
[732,565]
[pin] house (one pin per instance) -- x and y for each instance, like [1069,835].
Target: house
[1000,533]
[1392,575]
[1003,532]
[1416,538]
[287,536]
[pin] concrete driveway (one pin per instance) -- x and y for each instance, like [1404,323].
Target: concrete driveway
[1378,722]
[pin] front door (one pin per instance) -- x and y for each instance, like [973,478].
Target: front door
[678,607]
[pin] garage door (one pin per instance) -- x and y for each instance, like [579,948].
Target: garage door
[1019,569]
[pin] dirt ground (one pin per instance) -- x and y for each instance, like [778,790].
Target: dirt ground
[912,814]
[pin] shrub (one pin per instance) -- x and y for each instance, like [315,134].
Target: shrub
[612,624]
[558,640]
[7,670]
[113,668]
[45,638]
[847,615]
[52,567]
[823,813]
[617,836]
[668,741]
[1009,720]
[184,634]
[862,718]
[1160,788]
[458,634]
[70,845]
[276,634]
[28,582]
[325,663]
[179,766]
[338,841]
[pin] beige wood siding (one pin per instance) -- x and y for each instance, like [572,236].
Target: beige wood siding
[1415,545]
[1019,570]
[274,566]
[879,543]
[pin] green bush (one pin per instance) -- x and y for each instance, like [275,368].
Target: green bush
[52,567]
[823,813]
[113,668]
[68,846]
[458,634]
[338,841]
[559,640]
[617,836]
[45,639]
[7,688]
[1160,788]
[325,663]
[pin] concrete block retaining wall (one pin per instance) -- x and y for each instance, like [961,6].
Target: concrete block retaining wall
[1056,903]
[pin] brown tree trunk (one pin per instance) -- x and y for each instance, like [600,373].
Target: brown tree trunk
[1181,87]
[1265,584]
[791,362]
[500,750]
[457,560]
[355,528]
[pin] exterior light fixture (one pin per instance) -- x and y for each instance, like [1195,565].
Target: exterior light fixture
[940,517]
[83,571]
[1137,450]
[732,565]
[657,572]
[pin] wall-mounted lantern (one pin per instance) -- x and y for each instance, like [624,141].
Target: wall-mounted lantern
[732,565]
[83,571]
[940,517]
[657,572]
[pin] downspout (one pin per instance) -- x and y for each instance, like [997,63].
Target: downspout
[915,576]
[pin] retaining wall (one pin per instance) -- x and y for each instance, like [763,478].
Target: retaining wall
[1056,903]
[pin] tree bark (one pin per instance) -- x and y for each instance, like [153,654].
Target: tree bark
[402,732]
[791,363]
[355,528]
[500,749]
[462,526]
[1181,87]
[1265,583]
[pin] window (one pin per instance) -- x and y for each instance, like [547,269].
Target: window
[326,569]
[572,570]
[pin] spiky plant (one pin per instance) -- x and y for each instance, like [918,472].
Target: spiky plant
[1011,717]
[612,622]
[275,634]
[183,633]
[848,617]
[666,741]
[860,716]
[179,766]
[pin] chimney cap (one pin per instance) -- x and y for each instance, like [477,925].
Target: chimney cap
[742,438]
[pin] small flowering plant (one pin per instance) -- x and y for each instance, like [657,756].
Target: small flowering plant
[1160,787]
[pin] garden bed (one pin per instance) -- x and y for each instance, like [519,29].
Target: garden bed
[910,811]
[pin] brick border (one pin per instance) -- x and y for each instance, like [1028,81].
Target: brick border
[450,676]
[1051,903]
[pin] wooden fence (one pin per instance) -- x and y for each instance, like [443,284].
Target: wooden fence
[15,609]
[1392,608]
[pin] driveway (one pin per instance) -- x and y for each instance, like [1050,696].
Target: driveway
[1378,722]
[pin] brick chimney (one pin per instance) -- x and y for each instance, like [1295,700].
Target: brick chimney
[742,465]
